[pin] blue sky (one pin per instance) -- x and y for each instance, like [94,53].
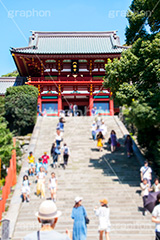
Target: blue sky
[18,17]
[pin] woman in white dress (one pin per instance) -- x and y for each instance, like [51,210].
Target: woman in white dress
[25,189]
[104,222]
[53,186]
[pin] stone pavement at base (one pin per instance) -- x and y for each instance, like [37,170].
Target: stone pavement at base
[92,175]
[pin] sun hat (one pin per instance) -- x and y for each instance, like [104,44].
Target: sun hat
[48,210]
[104,201]
[78,199]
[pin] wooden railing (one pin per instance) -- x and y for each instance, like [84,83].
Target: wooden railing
[10,180]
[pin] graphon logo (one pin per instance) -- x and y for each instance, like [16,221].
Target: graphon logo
[124,13]
[29,13]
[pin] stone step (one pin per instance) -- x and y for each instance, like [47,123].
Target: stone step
[93,175]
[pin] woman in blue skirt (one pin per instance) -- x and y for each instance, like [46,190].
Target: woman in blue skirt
[79,215]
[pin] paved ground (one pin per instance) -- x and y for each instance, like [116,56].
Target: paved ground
[92,175]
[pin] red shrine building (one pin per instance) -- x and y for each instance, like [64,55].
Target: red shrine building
[68,68]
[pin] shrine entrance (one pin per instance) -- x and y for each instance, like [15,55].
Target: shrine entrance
[82,105]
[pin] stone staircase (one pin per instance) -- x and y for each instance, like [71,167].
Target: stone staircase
[93,175]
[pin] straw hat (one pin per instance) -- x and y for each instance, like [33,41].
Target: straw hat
[104,201]
[78,199]
[48,210]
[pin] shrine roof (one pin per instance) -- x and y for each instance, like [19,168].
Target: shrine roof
[72,43]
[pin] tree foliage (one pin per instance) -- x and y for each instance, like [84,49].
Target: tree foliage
[6,142]
[21,108]
[134,81]
[142,15]
[12,74]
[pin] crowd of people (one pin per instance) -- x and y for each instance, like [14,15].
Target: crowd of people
[99,131]
[79,215]
[48,216]
[40,168]
[148,190]
[151,196]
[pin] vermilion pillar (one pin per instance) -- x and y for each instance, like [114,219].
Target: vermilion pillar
[59,100]
[111,103]
[40,103]
[39,98]
[91,100]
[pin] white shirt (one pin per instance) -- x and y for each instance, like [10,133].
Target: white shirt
[59,137]
[145,189]
[146,173]
[66,150]
[104,129]
[41,175]
[156,188]
[103,214]
[94,127]
[156,214]
[25,183]
[53,182]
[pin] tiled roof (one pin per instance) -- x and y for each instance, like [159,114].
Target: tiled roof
[72,43]
[6,82]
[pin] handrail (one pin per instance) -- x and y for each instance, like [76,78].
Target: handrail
[10,180]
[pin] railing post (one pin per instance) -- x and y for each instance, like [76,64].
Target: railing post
[3,198]
[14,163]
[10,179]
[0,209]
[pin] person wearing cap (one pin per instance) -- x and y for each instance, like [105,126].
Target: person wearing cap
[103,213]
[48,216]
[45,158]
[146,172]
[31,161]
[79,216]
[156,217]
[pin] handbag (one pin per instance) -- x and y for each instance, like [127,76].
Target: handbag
[87,220]
[118,144]
[38,235]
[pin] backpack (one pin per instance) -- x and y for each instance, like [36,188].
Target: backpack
[66,151]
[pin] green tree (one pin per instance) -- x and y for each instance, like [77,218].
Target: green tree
[134,81]
[12,74]
[142,16]
[6,142]
[21,108]
[2,106]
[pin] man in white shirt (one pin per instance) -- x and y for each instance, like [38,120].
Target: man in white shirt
[156,218]
[146,172]
[103,128]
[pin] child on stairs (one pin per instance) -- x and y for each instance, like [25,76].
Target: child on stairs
[41,183]
[53,186]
